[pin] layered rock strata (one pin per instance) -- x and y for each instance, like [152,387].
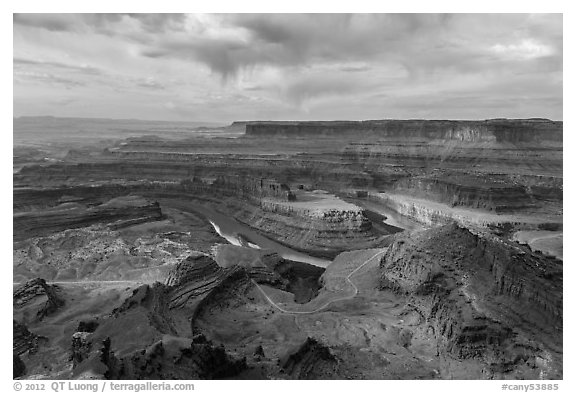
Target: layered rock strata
[43,296]
[118,213]
[501,130]
[481,298]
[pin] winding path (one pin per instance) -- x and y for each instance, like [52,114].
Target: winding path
[328,303]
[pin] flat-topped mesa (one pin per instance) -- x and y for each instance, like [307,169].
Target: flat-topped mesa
[253,188]
[318,222]
[493,130]
[320,206]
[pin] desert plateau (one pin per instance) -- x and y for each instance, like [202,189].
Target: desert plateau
[292,250]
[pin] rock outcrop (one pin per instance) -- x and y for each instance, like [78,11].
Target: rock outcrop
[24,341]
[173,358]
[481,297]
[193,279]
[39,298]
[477,192]
[194,268]
[267,267]
[311,360]
[252,188]
[162,314]
[322,232]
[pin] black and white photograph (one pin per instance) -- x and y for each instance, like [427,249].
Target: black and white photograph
[287,196]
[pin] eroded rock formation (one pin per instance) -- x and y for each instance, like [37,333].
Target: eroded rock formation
[118,213]
[480,297]
[311,360]
[450,302]
[44,299]
[24,341]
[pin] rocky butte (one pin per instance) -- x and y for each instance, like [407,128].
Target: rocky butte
[381,249]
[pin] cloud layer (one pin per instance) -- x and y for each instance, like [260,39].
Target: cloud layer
[290,66]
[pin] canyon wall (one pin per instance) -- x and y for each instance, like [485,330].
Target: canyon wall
[480,297]
[497,166]
[252,188]
[469,191]
[500,130]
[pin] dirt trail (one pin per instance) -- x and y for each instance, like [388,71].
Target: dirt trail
[329,302]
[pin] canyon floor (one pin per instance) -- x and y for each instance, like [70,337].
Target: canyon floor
[293,250]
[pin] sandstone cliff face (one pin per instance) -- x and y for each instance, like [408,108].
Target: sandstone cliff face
[508,130]
[525,155]
[421,213]
[252,188]
[479,193]
[431,213]
[481,297]
[353,218]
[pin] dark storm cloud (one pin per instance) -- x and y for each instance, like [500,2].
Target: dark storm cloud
[420,43]
[223,56]
[297,65]
[287,40]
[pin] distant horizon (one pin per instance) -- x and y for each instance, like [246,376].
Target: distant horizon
[283,120]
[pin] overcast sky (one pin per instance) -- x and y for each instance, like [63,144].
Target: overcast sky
[246,67]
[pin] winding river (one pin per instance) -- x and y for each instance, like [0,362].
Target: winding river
[241,234]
